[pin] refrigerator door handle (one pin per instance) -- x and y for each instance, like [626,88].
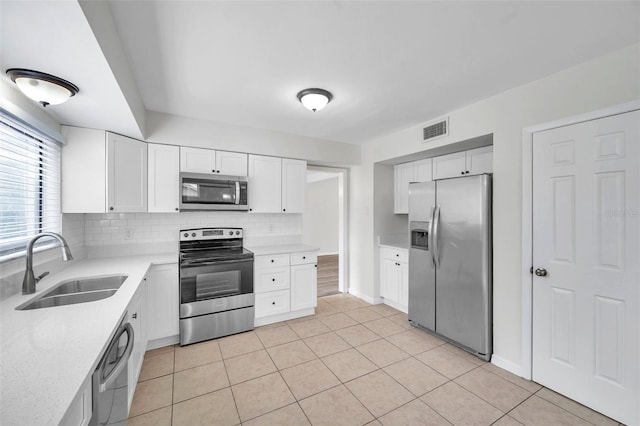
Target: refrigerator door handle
[430,238]
[436,228]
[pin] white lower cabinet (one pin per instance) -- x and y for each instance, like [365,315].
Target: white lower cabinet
[285,286]
[394,277]
[162,306]
[80,410]
[136,317]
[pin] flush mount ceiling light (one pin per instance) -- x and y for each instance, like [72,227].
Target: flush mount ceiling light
[314,99]
[44,88]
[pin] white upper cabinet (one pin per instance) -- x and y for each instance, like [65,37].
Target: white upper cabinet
[450,165]
[199,160]
[163,178]
[480,160]
[126,174]
[84,177]
[404,174]
[276,185]
[265,184]
[471,162]
[231,163]
[294,185]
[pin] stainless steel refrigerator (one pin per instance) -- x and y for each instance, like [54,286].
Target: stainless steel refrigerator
[450,276]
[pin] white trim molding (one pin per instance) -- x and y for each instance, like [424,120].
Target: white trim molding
[505,364]
[368,299]
[526,369]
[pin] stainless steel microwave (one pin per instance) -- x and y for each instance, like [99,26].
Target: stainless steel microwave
[199,191]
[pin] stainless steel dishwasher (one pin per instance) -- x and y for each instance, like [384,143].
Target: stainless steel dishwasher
[110,380]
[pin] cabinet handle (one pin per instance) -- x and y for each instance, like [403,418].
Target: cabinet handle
[284,210]
[397,254]
[461,173]
[110,208]
[304,257]
[134,316]
[250,210]
[273,279]
[213,171]
[272,260]
[467,172]
[177,209]
[273,303]
[315,266]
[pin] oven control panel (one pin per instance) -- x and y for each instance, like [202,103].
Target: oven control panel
[210,234]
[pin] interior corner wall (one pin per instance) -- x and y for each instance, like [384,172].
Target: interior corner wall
[320,226]
[602,82]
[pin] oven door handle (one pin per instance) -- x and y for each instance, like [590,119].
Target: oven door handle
[237,192]
[191,264]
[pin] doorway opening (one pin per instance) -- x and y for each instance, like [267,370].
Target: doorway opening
[325,226]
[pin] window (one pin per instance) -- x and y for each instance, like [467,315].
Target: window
[29,186]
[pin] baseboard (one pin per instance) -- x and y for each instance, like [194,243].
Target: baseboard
[510,366]
[165,341]
[283,317]
[395,305]
[368,299]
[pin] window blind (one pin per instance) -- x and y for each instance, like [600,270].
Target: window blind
[29,186]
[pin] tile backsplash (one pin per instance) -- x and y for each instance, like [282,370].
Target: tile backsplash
[120,229]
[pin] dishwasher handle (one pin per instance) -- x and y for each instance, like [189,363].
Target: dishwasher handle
[122,362]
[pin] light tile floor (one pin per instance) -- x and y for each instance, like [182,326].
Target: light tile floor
[350,364]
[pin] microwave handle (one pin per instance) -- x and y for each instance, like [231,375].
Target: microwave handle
[237,192]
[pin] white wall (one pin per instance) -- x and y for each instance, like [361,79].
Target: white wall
[605,81]
[171,129]
[321,216]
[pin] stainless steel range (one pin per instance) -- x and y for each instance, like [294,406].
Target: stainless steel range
[216,284]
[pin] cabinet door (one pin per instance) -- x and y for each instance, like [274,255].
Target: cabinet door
[403,284]
[197,160]
[162,302]
[304,291]
[403,174]
[84,158]
[480,160]
[231,163]
[135,316]
[389,284]
[126,174]
[294,185]
[451,165]
[265,184]
[163,178]
[424,170]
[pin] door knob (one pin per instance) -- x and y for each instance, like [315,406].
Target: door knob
[541,272]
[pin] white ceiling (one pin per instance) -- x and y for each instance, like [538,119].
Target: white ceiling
[389,64]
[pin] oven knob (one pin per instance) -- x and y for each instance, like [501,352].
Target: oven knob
[193,234]
[186,234]
[237,232]
[230,232]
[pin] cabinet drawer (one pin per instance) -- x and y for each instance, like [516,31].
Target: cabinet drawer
[271,280]
[272,303]
[271,261]
[304,257]
[399,255]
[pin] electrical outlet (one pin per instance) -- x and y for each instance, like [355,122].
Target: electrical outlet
[128,233]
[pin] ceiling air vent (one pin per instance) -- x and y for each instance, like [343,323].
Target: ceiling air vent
[435,129]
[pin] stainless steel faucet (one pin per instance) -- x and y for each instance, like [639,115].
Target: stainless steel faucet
[29,281]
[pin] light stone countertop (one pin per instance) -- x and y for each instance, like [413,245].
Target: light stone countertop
[280,249]
[47,354]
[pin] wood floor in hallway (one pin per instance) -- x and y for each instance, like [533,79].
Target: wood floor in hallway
[327,275]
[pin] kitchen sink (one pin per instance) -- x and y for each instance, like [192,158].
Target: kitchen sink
[79,290]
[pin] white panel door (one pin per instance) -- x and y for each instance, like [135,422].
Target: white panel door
[403,174]
[163,178]
[479,160]
[424,170]
[304,293]
[450,165]
[294,185]
[126,174]
[265,184]
[231,163]
[162,302]
[197,160]
[586,227]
